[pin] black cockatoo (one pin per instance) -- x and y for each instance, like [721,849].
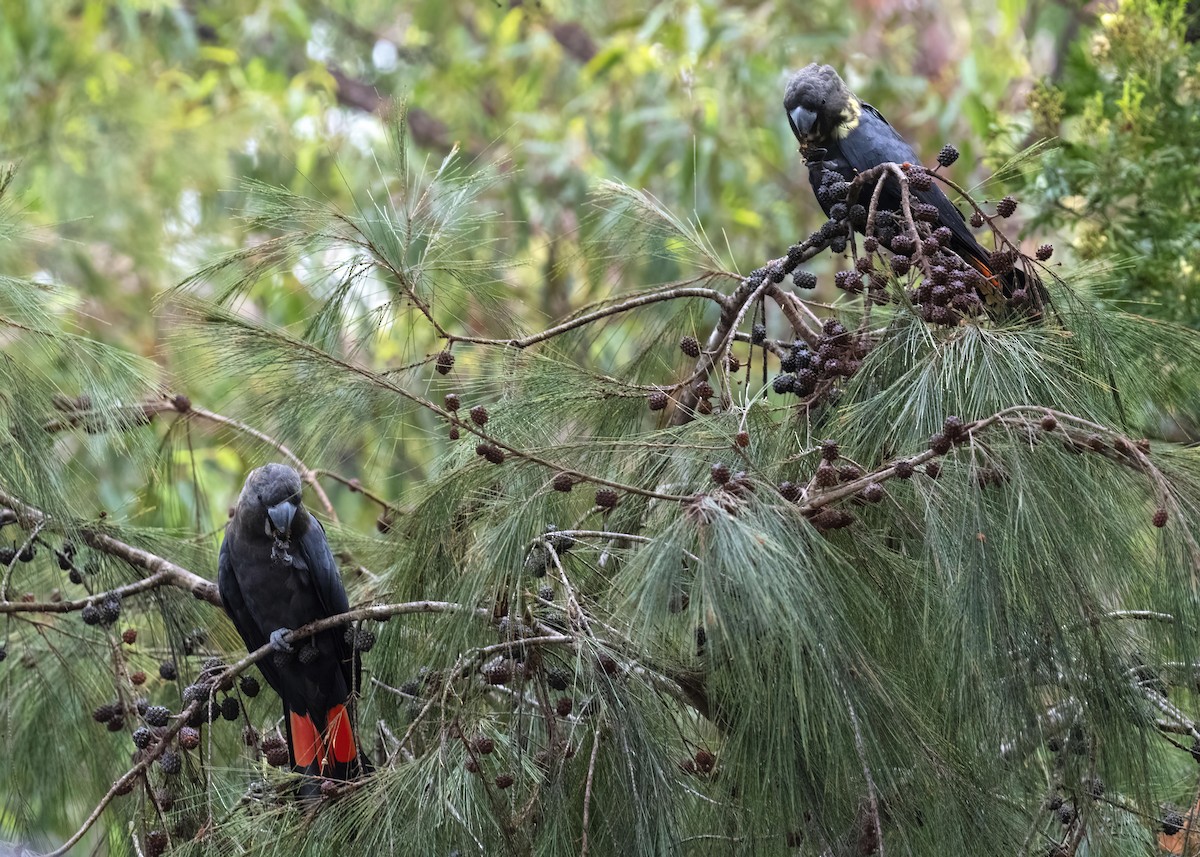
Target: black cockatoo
[837,131]
[276,573]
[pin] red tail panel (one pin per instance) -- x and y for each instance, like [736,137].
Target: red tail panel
[338,734]
[306,741]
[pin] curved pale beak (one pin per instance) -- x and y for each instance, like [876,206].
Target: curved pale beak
[802,122]
[281,516]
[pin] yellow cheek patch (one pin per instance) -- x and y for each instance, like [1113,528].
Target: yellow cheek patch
[849,119]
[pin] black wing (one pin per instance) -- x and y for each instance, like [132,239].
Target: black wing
[875,142]
[239,613]
[312,549]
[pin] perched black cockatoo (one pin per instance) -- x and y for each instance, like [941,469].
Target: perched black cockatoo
[276,573]
[837,131]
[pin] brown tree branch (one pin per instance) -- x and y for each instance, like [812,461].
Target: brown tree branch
[162,571]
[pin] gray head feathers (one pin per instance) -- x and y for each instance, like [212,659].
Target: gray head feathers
[270,485]
[817,88]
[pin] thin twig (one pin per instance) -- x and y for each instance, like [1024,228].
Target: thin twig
[587,791]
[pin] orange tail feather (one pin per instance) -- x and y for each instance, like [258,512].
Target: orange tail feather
[306,741]
[338,734]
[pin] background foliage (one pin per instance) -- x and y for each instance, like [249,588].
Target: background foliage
[245,152]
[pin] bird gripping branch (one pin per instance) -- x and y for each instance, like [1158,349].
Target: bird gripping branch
[276,573]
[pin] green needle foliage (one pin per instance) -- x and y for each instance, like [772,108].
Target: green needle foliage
[943,600]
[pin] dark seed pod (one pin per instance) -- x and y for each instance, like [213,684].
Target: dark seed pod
[484,746]
[479,415]
[1049,423]
[90,615]
[563,706]
[873,493]
[1006,207]
[142,737]
[826,476]
[703,390]
[494,454]
[1172,820]
[689,346]
[445,362]
[1160,518]
[705,761]
[116,724]
[110,611]
[498,673]
[504,781]
[849,281]
[1001,262]
[904,470]
[249,685]
[742,439]
[1044,252]
[783,383]
[901,264]
[789,491]
[870,244]
[156,843]
[276,756]
[804,279]
[939,443]
[976,219]
[364,640]
[947,156]
[927,212]
[953,428]
[657,400]
[189,738]
[197,691]
[138,678]
[231,709]
[170,763]
[167,670]
[933,469]
[129,636]
[1066,814]
[558,678]
[919,179]
[720,473]
[157,715]
[606,498]
[106,712]
[758,334]
[849,473]
[472,765]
